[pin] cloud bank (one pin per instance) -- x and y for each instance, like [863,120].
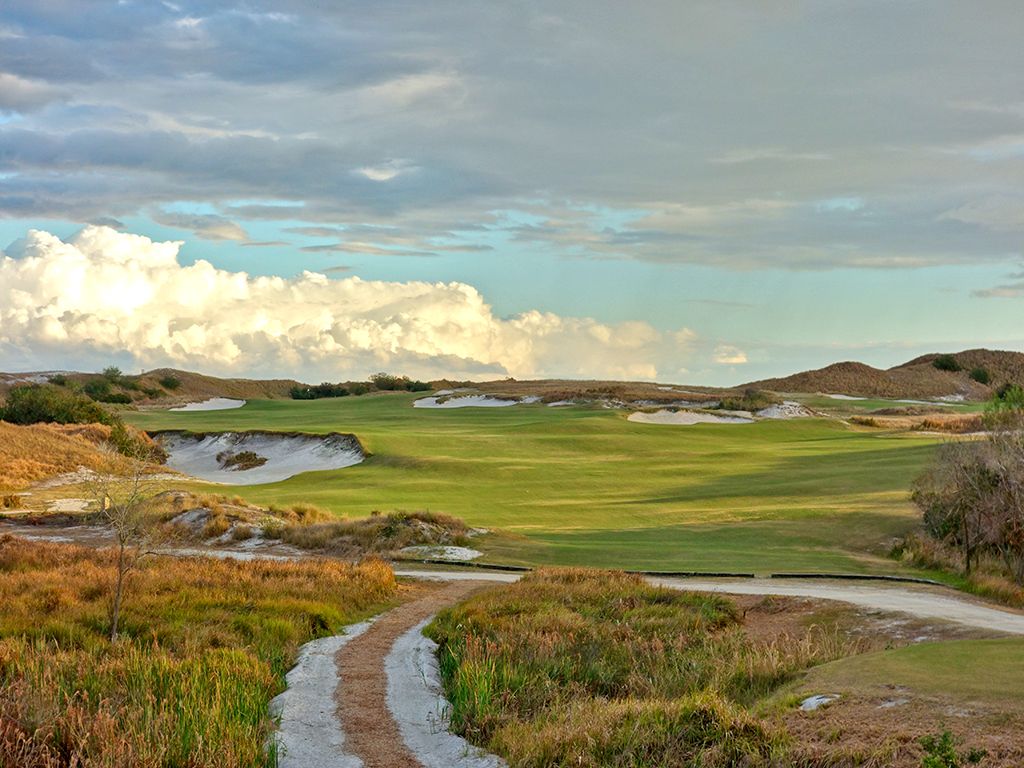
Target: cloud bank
[108,295]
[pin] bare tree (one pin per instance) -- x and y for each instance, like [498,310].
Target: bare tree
[125,494]
[972,495]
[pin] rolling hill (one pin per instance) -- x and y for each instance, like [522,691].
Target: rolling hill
[917,378]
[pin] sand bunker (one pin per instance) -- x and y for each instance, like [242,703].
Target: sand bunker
[470,401]
[213,404]
[203,455]
[685,418]
[846,397]
[416,700]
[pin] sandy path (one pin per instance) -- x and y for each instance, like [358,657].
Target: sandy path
[371,732]
[920,601]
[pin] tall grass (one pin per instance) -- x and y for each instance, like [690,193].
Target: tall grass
[38,451]
[205,646]
[576,667]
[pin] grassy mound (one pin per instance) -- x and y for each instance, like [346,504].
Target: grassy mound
[378,534]
[36,452]
[577,667]
[204,647]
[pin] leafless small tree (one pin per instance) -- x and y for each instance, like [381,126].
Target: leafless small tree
[125,494]
[972,495]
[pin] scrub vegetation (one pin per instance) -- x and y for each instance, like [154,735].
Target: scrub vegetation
[578,667]
[203,647]
[972,496]
[49,404]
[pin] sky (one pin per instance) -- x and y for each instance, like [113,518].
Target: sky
[697,192]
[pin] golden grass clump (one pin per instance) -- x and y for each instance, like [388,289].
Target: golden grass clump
[36,452]
[204,647]
[575,667]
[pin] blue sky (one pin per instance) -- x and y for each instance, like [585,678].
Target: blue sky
[702,192]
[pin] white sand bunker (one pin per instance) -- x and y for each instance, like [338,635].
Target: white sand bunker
[471,401]
[685,418]
[213,404]
[249,458]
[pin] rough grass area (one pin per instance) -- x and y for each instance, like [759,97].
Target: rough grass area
[577,667]
[378,534]
[36,452]
[988,578]
[891,699]
[205,645]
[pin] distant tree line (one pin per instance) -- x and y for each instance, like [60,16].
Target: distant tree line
[379,382]
[972,495]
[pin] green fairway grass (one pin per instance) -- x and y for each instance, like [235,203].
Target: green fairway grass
[582,485]
[988,671]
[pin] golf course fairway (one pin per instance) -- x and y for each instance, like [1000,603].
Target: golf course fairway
[583,486]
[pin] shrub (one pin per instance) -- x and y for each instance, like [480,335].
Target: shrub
[980,375]
[941,752]
[750,400]
[170,382]
[118,398]
[325,389]
[387,382]
[946,363]
[97,389]
[58,379]
[112,374]
[34,403]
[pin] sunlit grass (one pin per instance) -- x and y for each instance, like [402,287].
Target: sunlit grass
[582,485]
[204,647]
[577,667]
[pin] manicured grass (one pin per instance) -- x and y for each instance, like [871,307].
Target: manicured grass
[204,645]
[971,671]
[583,485]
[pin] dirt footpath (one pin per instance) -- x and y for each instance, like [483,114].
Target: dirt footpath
[371,733]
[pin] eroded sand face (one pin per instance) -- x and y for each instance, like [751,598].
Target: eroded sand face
[213,404]
[685,418]
[286,455]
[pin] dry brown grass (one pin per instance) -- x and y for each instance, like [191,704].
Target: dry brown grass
[953,423]
[204,646]
[32,453]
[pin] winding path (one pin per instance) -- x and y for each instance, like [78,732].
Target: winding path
[372,698]
[921,601]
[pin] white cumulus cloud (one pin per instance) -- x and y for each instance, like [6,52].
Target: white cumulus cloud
[106,295]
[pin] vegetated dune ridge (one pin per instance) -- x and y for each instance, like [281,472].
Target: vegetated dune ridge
[191,386]
[917,378]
